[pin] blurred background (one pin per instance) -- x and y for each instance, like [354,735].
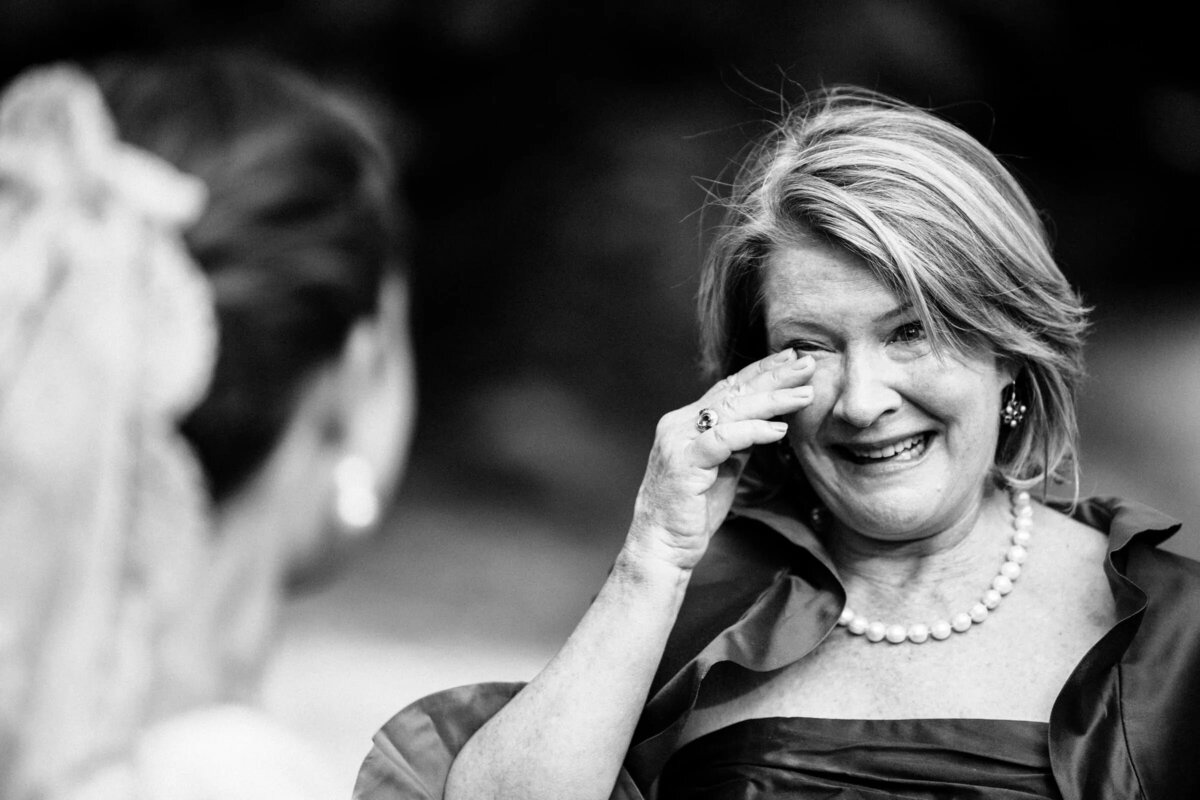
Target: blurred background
[558,159]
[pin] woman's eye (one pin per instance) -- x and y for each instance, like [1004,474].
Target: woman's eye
[909,332]
[804,347]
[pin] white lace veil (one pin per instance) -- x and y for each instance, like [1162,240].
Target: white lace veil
[107,337]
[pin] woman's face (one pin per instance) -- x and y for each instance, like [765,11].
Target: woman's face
[898,442]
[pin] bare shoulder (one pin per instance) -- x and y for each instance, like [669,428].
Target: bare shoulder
[1068,542]
[1065,570]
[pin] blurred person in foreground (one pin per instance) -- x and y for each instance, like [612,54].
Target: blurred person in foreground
[205,383]
[838,581]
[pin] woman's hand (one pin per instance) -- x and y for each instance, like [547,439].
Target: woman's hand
[692,474]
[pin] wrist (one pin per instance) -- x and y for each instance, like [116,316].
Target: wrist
[660,566]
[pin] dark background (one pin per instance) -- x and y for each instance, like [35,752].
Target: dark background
[560,152]
[559,155]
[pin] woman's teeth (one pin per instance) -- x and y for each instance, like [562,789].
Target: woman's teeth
[903,450]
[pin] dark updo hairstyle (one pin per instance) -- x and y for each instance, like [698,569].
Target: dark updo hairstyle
[298,233]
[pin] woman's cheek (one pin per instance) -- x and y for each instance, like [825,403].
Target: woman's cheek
[825,380]
[806,422]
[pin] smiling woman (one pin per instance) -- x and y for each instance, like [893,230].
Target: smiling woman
[837,582]
[895,430]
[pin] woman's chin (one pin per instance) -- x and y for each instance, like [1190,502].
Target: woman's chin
[898,511]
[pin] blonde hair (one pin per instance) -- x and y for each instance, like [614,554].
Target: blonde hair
[940,221]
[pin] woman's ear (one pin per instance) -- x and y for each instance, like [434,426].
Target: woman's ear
[377,392]
[1008,371]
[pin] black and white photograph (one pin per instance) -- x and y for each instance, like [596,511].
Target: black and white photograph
[529,400]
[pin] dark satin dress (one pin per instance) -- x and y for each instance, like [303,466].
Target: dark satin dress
[1124,727]
[798,758]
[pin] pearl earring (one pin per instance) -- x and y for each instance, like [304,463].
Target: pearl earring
[356,498]
[1013,412]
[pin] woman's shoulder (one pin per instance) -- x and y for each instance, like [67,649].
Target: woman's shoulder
[1155,589]
[1154,649]
[1072,537]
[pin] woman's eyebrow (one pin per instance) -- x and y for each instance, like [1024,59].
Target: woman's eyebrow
[900,310]
[805,320]
[794,321]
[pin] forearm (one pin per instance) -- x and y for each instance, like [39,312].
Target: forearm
[566,733]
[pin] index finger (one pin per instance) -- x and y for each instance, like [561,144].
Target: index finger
[766,373]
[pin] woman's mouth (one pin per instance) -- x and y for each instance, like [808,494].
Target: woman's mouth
[907,449]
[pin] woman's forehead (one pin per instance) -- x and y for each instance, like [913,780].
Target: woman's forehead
[814,280]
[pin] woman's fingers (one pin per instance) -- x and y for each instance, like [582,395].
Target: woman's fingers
[761,405]
[716,446]
[700,449]
[781,370]
[737,413]
[742,421]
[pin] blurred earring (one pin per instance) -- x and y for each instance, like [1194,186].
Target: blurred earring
[1013,411]
[356,498]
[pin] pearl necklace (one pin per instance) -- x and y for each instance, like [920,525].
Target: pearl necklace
[1002,584]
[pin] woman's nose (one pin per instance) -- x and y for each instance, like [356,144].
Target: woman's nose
[865,391]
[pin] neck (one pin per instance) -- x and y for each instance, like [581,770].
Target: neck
[929,572]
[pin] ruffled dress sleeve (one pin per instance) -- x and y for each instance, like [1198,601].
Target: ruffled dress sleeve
[411,755]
